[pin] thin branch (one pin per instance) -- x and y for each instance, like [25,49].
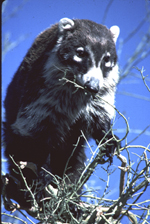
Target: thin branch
[13,217]
[106,11]
[123,171]
[143,77]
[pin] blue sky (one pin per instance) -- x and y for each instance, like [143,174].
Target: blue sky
[34,16]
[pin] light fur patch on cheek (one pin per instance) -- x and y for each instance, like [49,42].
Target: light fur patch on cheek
[76,58]
[108,64]
[109,104]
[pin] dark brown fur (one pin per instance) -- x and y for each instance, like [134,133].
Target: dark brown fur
[45,113]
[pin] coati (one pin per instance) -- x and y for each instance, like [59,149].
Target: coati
[64,87]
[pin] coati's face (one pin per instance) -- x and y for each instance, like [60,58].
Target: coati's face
[87,49]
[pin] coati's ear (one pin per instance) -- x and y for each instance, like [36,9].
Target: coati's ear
[115,31]
[65,24]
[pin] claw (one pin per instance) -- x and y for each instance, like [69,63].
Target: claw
[28,165]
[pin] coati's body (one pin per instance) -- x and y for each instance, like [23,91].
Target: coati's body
[54,98]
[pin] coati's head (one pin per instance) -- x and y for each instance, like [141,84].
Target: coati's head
[86,51]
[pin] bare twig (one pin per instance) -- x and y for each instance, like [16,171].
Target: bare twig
[123,169]
[143,77]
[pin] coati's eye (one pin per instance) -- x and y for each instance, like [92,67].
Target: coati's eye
[80,53]
[107,61]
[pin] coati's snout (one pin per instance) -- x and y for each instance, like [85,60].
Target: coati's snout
[92,81]
[92,85]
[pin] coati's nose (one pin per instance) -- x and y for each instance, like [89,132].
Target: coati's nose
[92,85]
